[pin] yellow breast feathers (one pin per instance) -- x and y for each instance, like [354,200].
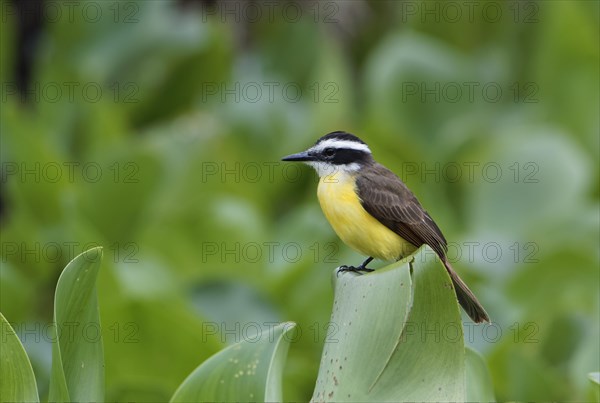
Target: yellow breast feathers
[353,224]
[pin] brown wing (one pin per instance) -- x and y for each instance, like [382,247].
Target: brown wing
[387,198]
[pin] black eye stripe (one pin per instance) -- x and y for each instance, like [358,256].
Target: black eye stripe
[348,156]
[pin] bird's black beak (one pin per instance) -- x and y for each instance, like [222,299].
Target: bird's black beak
[303,156]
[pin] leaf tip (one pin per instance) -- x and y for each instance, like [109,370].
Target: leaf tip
[94,254]
[288,326]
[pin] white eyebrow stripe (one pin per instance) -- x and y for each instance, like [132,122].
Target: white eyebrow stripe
[339,144]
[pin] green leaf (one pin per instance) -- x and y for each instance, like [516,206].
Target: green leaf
[395,335]
[77,351]
[479,382]
[594,393]
[17,381]
[249,370]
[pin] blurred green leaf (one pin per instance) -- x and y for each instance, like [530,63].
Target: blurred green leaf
[140,365]
[395,335]
[594,377]
[519,371]
[249,370]
[539,166]
[77,352]
[17,380]
[478,380]
[399,72]
[16,297]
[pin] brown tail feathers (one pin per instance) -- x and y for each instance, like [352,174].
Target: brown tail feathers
[466,298]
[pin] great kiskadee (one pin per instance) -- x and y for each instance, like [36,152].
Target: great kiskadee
[373,211]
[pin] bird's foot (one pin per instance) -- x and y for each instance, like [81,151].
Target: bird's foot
[359,269]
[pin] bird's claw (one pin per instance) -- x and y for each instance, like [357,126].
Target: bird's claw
[358,269]
[344,268]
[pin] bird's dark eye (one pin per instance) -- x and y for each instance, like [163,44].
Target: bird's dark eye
[329,152]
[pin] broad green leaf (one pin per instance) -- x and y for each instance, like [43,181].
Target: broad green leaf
[479,382]
[395,335]
[77,352]
[17,381]
[249,370]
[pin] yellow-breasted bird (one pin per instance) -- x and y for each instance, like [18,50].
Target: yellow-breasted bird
[373,211]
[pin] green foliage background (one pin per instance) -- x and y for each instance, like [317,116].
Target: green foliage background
[159,133]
